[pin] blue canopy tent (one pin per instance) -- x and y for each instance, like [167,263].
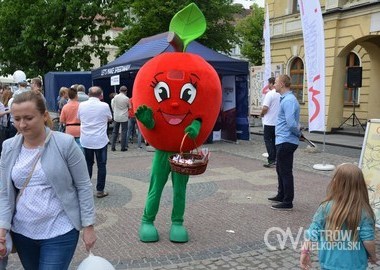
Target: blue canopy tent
[127,65]
[53,81]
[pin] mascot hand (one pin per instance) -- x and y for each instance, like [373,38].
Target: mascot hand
[145,115]
[193,129]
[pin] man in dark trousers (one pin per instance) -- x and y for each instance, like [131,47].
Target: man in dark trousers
[287,139]
[94,116]
[269,112]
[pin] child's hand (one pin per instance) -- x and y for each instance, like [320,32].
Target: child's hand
[305,261]
[3,248]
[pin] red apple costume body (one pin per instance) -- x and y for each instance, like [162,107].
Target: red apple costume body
[174,94]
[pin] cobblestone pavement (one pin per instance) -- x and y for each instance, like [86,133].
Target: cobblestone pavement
[227,213]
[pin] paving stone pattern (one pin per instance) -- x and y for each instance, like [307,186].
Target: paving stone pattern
[227,212]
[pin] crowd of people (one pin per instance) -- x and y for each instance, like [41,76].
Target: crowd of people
[45,229]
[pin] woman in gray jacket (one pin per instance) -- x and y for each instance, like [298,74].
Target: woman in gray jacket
[46,194]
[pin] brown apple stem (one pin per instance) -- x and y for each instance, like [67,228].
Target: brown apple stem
[175,41]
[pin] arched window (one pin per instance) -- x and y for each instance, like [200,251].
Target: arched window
[352,60]
[296,74]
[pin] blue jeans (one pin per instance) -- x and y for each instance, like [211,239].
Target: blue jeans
[132,130]
[115,133]
[3,263]
[270,139]
[284,168]
[101,161]
[77,140]
[48,254]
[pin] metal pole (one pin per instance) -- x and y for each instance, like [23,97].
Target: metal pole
[353,104]
[323,148]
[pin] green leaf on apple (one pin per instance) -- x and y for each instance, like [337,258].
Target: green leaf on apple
[189,23]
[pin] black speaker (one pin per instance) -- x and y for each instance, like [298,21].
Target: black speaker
[354,77]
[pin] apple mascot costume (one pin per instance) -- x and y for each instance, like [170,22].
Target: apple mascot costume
[175,94]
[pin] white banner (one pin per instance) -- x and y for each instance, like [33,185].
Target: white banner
[314,40]
[267,56]
[229,93]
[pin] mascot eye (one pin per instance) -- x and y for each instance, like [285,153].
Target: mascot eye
[161,91]
[188,93]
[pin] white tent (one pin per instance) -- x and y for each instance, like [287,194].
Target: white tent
[7,79]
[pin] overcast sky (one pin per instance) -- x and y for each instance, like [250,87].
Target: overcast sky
[248,3]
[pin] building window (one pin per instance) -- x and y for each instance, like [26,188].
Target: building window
[296,75]
[295,6]
[352,60]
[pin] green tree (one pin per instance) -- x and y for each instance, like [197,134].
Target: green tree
[250,30]
[153,17]
[43,35]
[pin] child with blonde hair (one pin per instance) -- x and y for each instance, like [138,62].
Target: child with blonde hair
[343,228]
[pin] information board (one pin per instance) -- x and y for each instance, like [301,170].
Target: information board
[115,80]
[370,164]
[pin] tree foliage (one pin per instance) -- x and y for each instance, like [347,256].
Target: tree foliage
[43,35]
[251,31]
[38,36]
[153,17]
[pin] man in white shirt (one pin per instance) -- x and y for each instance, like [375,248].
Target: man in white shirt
[269,112]
[94,116]
[120,106]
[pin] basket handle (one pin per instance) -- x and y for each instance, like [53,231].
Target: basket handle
[183,140]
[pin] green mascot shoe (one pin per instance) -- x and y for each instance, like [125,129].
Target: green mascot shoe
[178,233]
[148,233]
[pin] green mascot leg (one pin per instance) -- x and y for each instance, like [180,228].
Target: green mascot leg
[178,232]
[158,179]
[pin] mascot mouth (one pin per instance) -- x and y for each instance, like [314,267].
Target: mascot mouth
[174,119]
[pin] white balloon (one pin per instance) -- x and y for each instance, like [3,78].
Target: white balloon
[19,76]
[93,262]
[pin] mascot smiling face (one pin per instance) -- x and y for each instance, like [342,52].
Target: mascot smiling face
[179,88]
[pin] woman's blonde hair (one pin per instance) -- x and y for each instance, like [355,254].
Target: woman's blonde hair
[63,90]
[37,99]
[349,196]
[7,95]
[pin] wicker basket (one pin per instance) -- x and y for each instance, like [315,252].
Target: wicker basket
[198,167]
